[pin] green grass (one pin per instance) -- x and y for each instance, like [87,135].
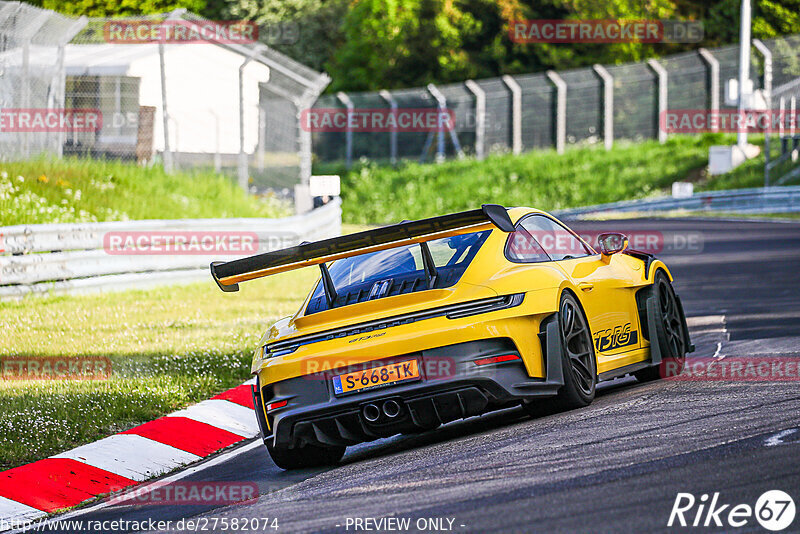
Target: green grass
[543,179]
[81,190]
[748,174]
[169,347]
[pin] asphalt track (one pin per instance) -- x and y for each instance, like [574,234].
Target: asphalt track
[615,466]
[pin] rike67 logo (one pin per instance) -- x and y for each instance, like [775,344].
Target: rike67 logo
[774,510]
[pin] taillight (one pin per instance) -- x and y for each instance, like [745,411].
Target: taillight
[497,359]
[275,405]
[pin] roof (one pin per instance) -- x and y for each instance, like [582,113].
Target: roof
[104,59]
[93,60]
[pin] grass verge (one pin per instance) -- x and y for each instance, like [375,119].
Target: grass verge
[169,347]
[82,190]
[543,179]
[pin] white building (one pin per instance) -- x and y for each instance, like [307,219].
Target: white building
[202,94]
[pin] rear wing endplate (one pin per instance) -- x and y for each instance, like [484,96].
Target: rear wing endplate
[227,275]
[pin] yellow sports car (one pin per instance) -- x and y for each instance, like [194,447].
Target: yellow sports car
[423,322]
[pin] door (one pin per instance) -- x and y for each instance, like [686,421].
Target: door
[606,290]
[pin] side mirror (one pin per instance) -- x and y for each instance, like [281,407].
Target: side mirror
[612,243]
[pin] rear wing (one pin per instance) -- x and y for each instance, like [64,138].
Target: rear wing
[227,275]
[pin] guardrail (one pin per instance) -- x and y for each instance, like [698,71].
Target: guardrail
[783,199]
[73,258]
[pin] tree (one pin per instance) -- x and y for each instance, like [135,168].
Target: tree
[770,19]
[114,8]
[398,43]
[306,30]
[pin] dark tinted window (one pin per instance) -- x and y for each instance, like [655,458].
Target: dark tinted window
[397,270]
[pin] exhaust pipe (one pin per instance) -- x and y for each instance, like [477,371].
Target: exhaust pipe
[391,409]
[371,413]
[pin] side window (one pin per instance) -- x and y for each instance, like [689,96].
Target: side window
[558,242]
[523,247]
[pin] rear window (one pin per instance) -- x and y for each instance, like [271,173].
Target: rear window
[397,270]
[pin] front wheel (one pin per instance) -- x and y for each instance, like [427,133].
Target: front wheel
[307,456]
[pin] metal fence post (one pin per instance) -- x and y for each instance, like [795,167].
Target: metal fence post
[262,121]
[561,110]
[344,99]
[59,96]
[26,91]
[242,166]
[516,113]
[217,139]
[608,105]
[61,77]
[713,82]
[767,53]
[761,47]
[442,105]
[175,14]
[25,75]
[442,102]
[744,67]
[164,113]
[661,73]
[304,140]
[387,96]
[480,118]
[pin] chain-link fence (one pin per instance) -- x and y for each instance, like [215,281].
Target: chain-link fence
[782,160]
[557,109]
[214,99]
[32,44]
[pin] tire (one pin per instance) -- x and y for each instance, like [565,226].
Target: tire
[308,456]
[670,332]
[578,361]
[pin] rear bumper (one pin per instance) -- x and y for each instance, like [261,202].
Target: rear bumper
[451,387]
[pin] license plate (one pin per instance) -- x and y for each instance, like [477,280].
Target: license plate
[376,377]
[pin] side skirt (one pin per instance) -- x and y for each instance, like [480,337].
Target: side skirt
[622,371]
